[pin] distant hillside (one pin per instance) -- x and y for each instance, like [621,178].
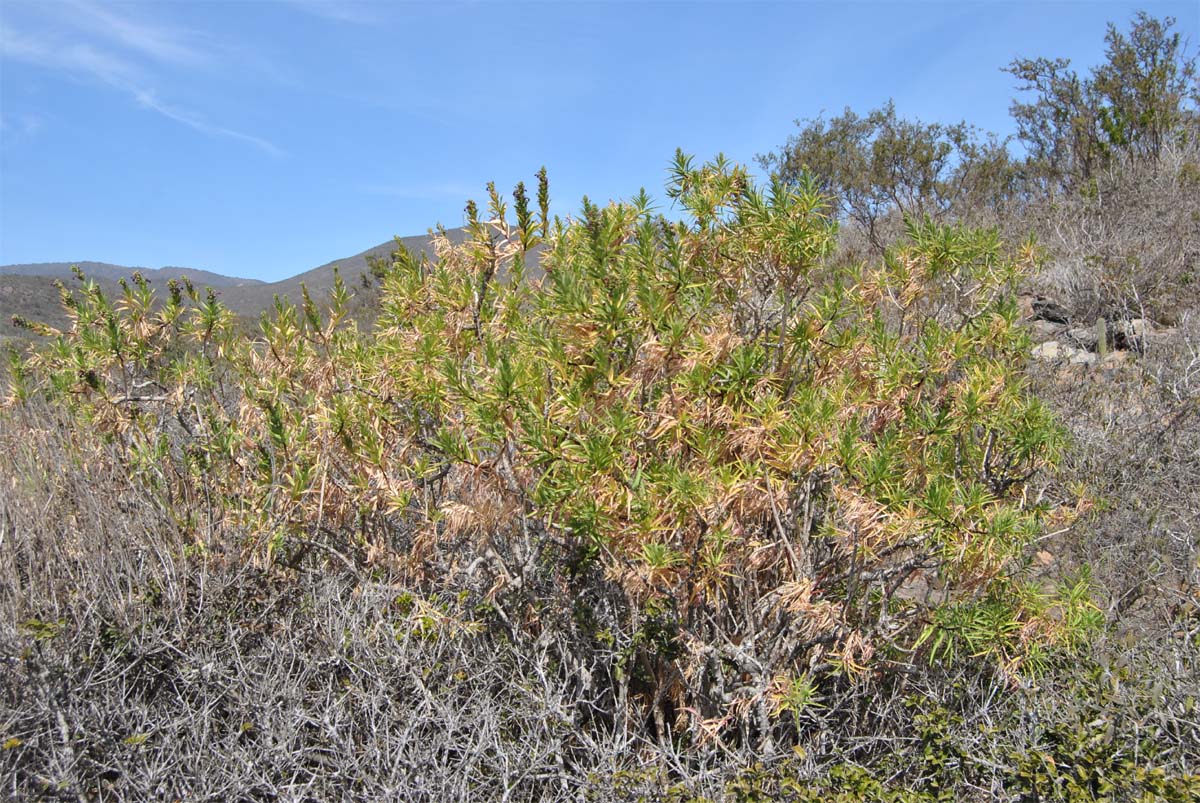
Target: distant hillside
[104,270]
[250,300]
[28,290]
[34,298]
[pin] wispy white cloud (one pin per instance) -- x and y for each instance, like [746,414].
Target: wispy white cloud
[158,42]
[94,43]
[148,100]
[73,57]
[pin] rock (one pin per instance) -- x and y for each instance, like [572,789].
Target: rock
[1115,358]
[1085,337]
[1045,330]
[1054,351]
[1046,310]
[1081,357]
[1135,333]
[1139,327]
[1049,351]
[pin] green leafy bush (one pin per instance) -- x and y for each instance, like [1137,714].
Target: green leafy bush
[702,463]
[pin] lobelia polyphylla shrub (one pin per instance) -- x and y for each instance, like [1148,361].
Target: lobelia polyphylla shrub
[702,462]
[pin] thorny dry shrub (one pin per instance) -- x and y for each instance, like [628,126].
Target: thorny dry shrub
[707,469]
[1135,458]
[1128,244]
[133,671]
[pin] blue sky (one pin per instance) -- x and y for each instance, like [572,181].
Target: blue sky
[261,139]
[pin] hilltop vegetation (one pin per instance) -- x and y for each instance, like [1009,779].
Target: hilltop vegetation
[766,502]
[29,292]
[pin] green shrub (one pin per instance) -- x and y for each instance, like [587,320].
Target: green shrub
[704,464]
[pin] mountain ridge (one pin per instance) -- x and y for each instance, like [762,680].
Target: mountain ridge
[28,289]
[112,272]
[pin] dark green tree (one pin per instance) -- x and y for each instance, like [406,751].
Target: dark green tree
[882,167]
[1142,97]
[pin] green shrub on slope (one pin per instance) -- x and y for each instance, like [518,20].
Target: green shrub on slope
[703,464]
